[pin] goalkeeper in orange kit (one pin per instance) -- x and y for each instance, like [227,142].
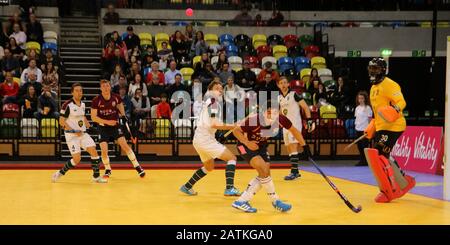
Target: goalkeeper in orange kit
[388,124]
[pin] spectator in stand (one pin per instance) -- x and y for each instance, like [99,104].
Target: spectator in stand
[32,55]
[147,61]
[268,84]
[16,50]
[259,21]
[51,77]
[246,78]
[2,52]
[176,86]
[111,17]
[243,18]
[141,109]
[199,45]
[34,29]
[169,76]
[203,61]
[155,90]
[320,96]
[314,80]
[189,34]
[31,81]
[9,90]
[19,35]
[363,115]
[179,47]
[15,19]
[163,108]
[29,102]
[222,59]
[205,75]
[116,60]
[118,42]
[108,51]
[225,73]
[234,95]
[268,70]
[276,19]
[132,40]
[4,37]
[31,68]
[155,72]
[164,54]
[47,107]
[340,97]
[122,83]
[48,57]
[10,63]
[123,93]
[134,69]
[135,84]
[116,75]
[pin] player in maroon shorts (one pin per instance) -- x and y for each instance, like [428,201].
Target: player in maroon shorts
[105,110]
[252,138]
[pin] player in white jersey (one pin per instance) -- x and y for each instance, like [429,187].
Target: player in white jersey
[73,120]
[206,145]
[290,103]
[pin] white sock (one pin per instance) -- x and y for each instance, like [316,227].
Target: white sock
[231,162]
[253,187]
[204,170]
[268,185]
[106,163]
[133,159]
[73,162]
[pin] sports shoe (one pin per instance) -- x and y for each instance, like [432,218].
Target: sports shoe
[107,173]
[292,176]
[244,206]
[56,176]
[187,191]
[233,191]
[140,171]
[281,206]
[100,180]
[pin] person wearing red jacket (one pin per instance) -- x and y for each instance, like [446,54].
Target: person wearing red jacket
[163,108]
[9,89]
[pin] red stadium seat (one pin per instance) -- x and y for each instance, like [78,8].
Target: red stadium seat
[298,86]
[291,41]
[312,51]
[263,51]
[253,61]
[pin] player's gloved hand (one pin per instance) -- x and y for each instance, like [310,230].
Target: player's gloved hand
[123,120]
[306,151]
[370,129]
[310,125]
[389,113]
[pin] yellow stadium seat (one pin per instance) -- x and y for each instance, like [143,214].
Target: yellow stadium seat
[305,74]
[442,24]
[211,39]
[145,42]
[162,129]
[33,45]
[187,73]
[318,62]
[16,80]
[212,24]
[145,36]
[279,51]
[328,111]
[425,24]
[235,63]
[161,37]
[49,127]
[195,60]
[259,40]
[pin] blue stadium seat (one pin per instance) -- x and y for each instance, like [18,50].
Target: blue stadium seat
[232,50]
[301,63]
[285,63]
[51,46]
[180,23]
[226,40]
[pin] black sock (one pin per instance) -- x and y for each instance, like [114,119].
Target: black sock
[294,163]
[195,177]
[95,167]
[66,167]
[229,175]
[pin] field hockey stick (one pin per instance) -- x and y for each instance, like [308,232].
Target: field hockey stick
[133,139]
[354,142]
[346,201]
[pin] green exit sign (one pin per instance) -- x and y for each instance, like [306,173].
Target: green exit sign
[354,53]
[419,53]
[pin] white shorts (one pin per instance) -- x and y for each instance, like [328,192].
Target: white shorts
[75,143]
[288,138]
[208,148]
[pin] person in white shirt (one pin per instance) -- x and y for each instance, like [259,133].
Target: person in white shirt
[32,68]
[363,115]
[170,74]
[20,36]
[234,93]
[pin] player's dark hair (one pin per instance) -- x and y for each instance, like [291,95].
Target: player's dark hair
[74,86]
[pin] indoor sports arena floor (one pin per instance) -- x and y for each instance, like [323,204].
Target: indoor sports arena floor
[29,197]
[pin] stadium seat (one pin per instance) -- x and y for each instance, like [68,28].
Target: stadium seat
[159,46]
[253,61]
[162,129]
[269,59]
[259,40]
[274,40]
[235,62]
[307,97]
[147,70]
[145,36]
[242,40]
[304,75]
[195,60]
[183,128]
[29,127]
[232,50]
[296,51]
[50,37]
[9,128]
[211,39]
[187,73]
[214,61]
[350,128]
[336,129]
[212,24]
[325,74]
[33,45]
[161,37]
[16,80]
[291,41]
[226,40]
[311,51]
[366,24]
[246,50]
[330,85]
[443,24]
[285,63]
[52,46]
[180,23]
[256,70]
[279,51]
[290,74]
[298,86]
[318,62]
[263,51]
[306,40]
[301,63]
[328,111]
[49,128]
[124,36]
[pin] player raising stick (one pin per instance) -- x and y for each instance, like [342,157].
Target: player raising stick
[290,103]
[105,110]
[253,148]
[73,120]
[206,145]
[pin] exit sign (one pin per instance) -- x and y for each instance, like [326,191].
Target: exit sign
[419,53]
[354,53]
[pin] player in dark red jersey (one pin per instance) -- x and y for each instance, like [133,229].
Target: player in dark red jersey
[253,148]
[106,109]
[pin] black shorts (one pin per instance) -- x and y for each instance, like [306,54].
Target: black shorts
[109,133]
[385,140]
[248,154]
